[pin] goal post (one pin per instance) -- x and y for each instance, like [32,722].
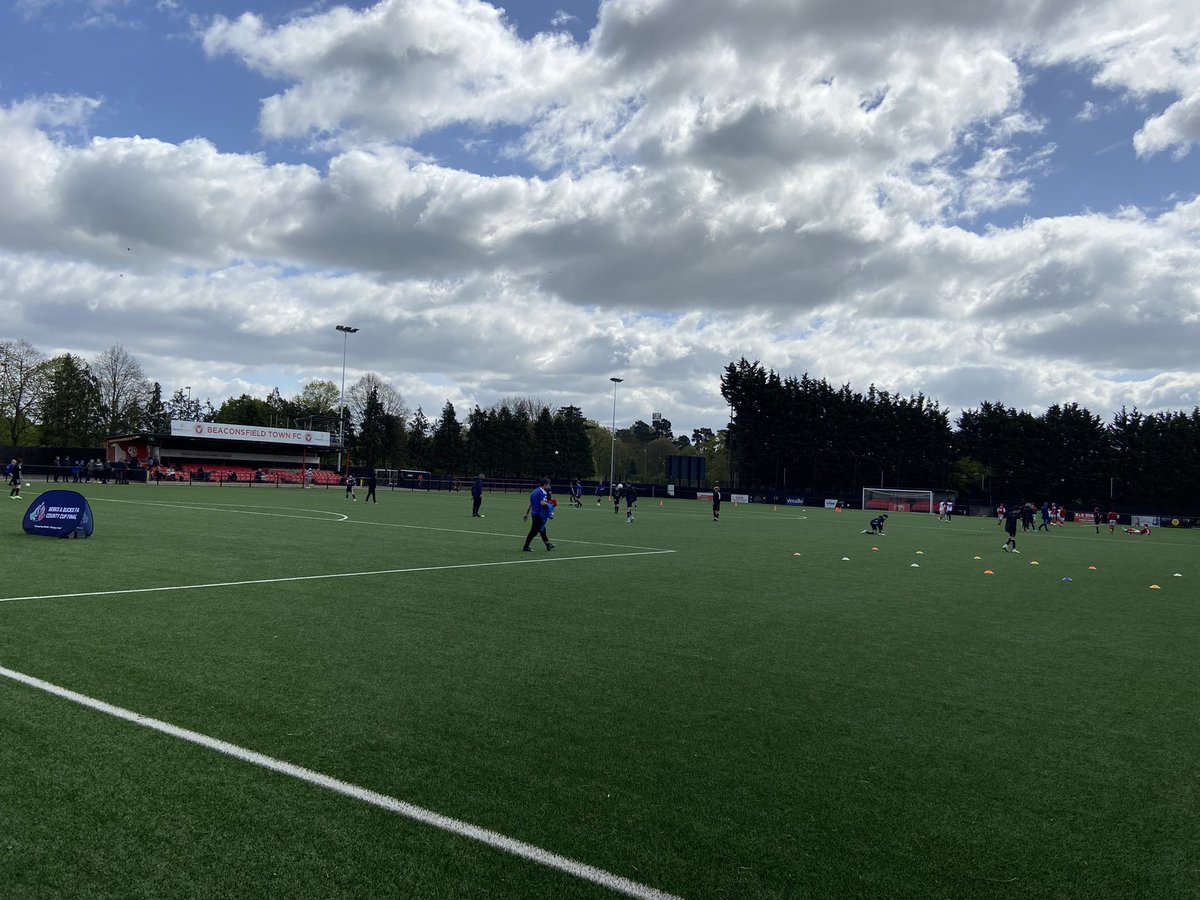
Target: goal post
[903,499]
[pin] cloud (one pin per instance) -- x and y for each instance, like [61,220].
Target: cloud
[789,182]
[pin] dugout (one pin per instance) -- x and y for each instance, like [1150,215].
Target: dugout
[216,450]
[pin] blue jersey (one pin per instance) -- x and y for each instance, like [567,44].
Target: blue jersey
[536,499]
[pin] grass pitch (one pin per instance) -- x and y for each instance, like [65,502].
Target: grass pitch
[687,705]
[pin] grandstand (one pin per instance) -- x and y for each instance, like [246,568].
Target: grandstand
[221,453]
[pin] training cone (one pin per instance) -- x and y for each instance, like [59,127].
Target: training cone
[1066,579]
[795,554]
[1033,562]
[988,572]
[660,503]
[776,509]
[875,549]
[1176,575]
[1091,568]
[1156,587]
[845,559]
[914,566]
[979,557]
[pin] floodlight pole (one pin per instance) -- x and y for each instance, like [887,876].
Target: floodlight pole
[612,462]
[346,331]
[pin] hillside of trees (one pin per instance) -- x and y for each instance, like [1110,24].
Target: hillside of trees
[802,434]
[788,434]
[71,401]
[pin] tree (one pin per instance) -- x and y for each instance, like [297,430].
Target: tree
[23,375]
[375,441]
[387,396]
[662,428]
[418,441]
[124,390]
[446,445]
[71,415]
[156,418]
[245,410]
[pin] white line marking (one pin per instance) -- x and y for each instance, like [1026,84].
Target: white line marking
[240,509]
[221,584]
[391,804]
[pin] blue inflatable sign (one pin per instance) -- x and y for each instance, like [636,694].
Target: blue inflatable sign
[59,514]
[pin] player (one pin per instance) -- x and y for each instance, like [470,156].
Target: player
[876,525]
[14,479]
[1010,526]
[599,491]
[351,481]
[630,502]
[1145,529]
[716,502]
[539,512]
[618,491]
[1112,521]
[1000,515]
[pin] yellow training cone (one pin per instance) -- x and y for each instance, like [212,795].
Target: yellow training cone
[1156,587]
[920,553]
[1033,562]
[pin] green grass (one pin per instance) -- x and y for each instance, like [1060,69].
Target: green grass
[725,720]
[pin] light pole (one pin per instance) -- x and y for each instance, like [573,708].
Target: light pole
[612,462]
[346,331]
[188,388]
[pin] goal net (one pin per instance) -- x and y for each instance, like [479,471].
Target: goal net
[903,499]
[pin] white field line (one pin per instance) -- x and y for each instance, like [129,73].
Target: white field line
[321,515]
[391,804]
[242,509]
[292,578]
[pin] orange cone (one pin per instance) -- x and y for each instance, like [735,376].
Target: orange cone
[777,508]
[660,503]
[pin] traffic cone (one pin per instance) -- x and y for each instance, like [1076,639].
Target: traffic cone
[776,508]
[660,503]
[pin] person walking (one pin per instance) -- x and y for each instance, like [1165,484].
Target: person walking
[716,492]
[1010,526]
[630,502]
[372,483]
[14,478]
[539,513]
[477,496]
[599,491]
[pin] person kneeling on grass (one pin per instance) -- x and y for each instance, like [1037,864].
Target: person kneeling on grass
[876,525]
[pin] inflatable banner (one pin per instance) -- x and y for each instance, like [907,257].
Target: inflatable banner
[59,514]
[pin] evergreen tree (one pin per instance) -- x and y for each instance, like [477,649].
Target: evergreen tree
[71,413]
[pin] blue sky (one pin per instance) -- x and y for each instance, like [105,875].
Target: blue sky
[526,204]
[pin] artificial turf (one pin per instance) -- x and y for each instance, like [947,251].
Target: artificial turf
[747,715]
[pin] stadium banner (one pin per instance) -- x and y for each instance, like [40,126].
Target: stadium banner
[739,498]
[261,433]
[832,504]
[704,495]
[1085,518]
[794,501]
[670,490]
[59,514]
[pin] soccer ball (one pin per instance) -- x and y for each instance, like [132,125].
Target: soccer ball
[27,484]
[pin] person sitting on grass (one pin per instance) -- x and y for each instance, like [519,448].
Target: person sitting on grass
[876,525]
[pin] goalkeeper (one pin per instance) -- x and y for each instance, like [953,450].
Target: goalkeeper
[876,525]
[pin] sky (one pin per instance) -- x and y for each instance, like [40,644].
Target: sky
[978,202]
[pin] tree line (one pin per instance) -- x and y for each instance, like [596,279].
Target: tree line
[801,434]
[70,401]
